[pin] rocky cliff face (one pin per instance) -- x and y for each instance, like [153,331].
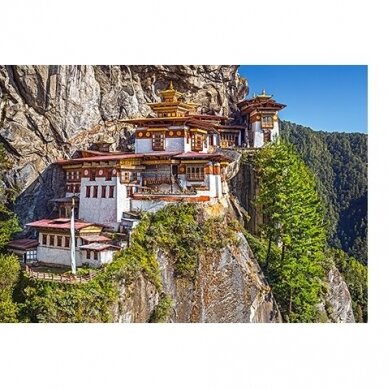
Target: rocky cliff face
[47,112]
[229,287]
[337,305]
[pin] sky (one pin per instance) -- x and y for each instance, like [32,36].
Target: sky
[328,98]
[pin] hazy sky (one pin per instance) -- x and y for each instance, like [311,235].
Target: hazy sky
[329,98]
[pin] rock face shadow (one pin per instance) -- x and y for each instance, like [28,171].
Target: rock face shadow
[34,202]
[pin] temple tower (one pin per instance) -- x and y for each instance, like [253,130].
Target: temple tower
[261,114]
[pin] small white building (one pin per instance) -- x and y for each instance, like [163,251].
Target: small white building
[54,243]
[261,113]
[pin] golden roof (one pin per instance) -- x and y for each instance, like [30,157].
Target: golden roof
[170,94]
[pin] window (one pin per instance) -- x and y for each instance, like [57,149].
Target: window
[51,240]
[158,141]
[92,175]
[31,255]
[111,191]
[87,192]
[267,136]
[95,255]
[59,241]
[95,191]
[195,173]
[126,176]
[67,242]
[129,191]
[103,191]
[87,255]
[44,239]
[76,188]
[267,122]
[197,142]
[109,175]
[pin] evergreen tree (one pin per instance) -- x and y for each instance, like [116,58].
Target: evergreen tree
[293,226]
[339,162]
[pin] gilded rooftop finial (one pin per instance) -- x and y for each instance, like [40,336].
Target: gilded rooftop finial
[171,87]
[263,92]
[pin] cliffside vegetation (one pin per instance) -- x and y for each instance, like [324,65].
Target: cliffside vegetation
[179,231]
[356,278]
[293,234]
[291,246]
[9,264]
[339,161]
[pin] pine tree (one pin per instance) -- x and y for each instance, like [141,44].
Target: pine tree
[293,226]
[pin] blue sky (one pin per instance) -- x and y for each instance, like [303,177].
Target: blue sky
[329,98]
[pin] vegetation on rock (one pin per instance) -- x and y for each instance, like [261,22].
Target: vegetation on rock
[177,230]
[356,278]
[162,310]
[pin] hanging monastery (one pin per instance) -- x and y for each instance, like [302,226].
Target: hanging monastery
[178,158]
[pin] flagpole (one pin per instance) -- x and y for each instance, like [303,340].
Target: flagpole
[72,243]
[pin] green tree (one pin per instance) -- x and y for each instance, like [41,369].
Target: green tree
[9,223]
[294,228]
[339,161]
[9,275]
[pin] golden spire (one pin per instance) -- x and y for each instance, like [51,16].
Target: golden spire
[263,92]
[171,87]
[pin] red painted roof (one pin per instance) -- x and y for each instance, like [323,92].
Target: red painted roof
[59,223]
[116,157]
[159,153]
[23,244]
[100,158]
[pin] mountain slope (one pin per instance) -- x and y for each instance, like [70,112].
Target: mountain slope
[339,161]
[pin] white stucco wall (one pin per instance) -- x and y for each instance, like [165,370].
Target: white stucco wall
[175,144]
[106,257]
[258,136]
[100,210]
[122,200]
[103,257]
[147,205]
[275,131]
[143,145]
[57,255]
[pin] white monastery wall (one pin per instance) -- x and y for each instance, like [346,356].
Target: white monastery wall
[275,131]
[258,136]
[122,200]
[57,255]
[147,205]
[175,144]
[106,257]
[99,210]
[143,145]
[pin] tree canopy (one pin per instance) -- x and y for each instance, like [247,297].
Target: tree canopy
[294,230]
[339,161]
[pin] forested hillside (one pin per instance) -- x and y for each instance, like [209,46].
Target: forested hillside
[339,161]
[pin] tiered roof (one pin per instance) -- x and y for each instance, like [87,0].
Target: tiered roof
[262,102]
